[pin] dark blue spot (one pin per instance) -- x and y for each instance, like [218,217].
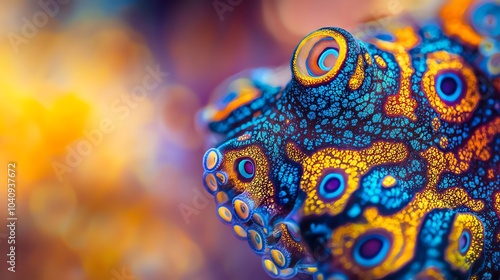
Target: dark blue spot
[246,169]
[464,242]
[332,186]
[371,249]
[450,87]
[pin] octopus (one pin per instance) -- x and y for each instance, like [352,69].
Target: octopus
[378,159]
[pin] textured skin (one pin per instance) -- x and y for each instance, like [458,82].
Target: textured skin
[379,159]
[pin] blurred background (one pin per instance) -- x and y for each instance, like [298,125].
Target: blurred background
[98,104]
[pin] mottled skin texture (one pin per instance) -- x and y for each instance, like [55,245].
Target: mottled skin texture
[379,159]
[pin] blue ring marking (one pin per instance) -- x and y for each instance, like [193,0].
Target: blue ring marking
[285,256]
[481,14]
[205,184]
[379,257]
[318,60]
[217,164]
[242,228]
[324,55]
[221,219]
[336,193]
[248,205]
[467,244]
[243,172]
[259,240]
[223,174]
[458,91]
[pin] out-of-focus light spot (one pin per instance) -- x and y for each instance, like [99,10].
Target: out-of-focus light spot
[157,253]
[178,111]
[206,54]
[290,20]
[52,207]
